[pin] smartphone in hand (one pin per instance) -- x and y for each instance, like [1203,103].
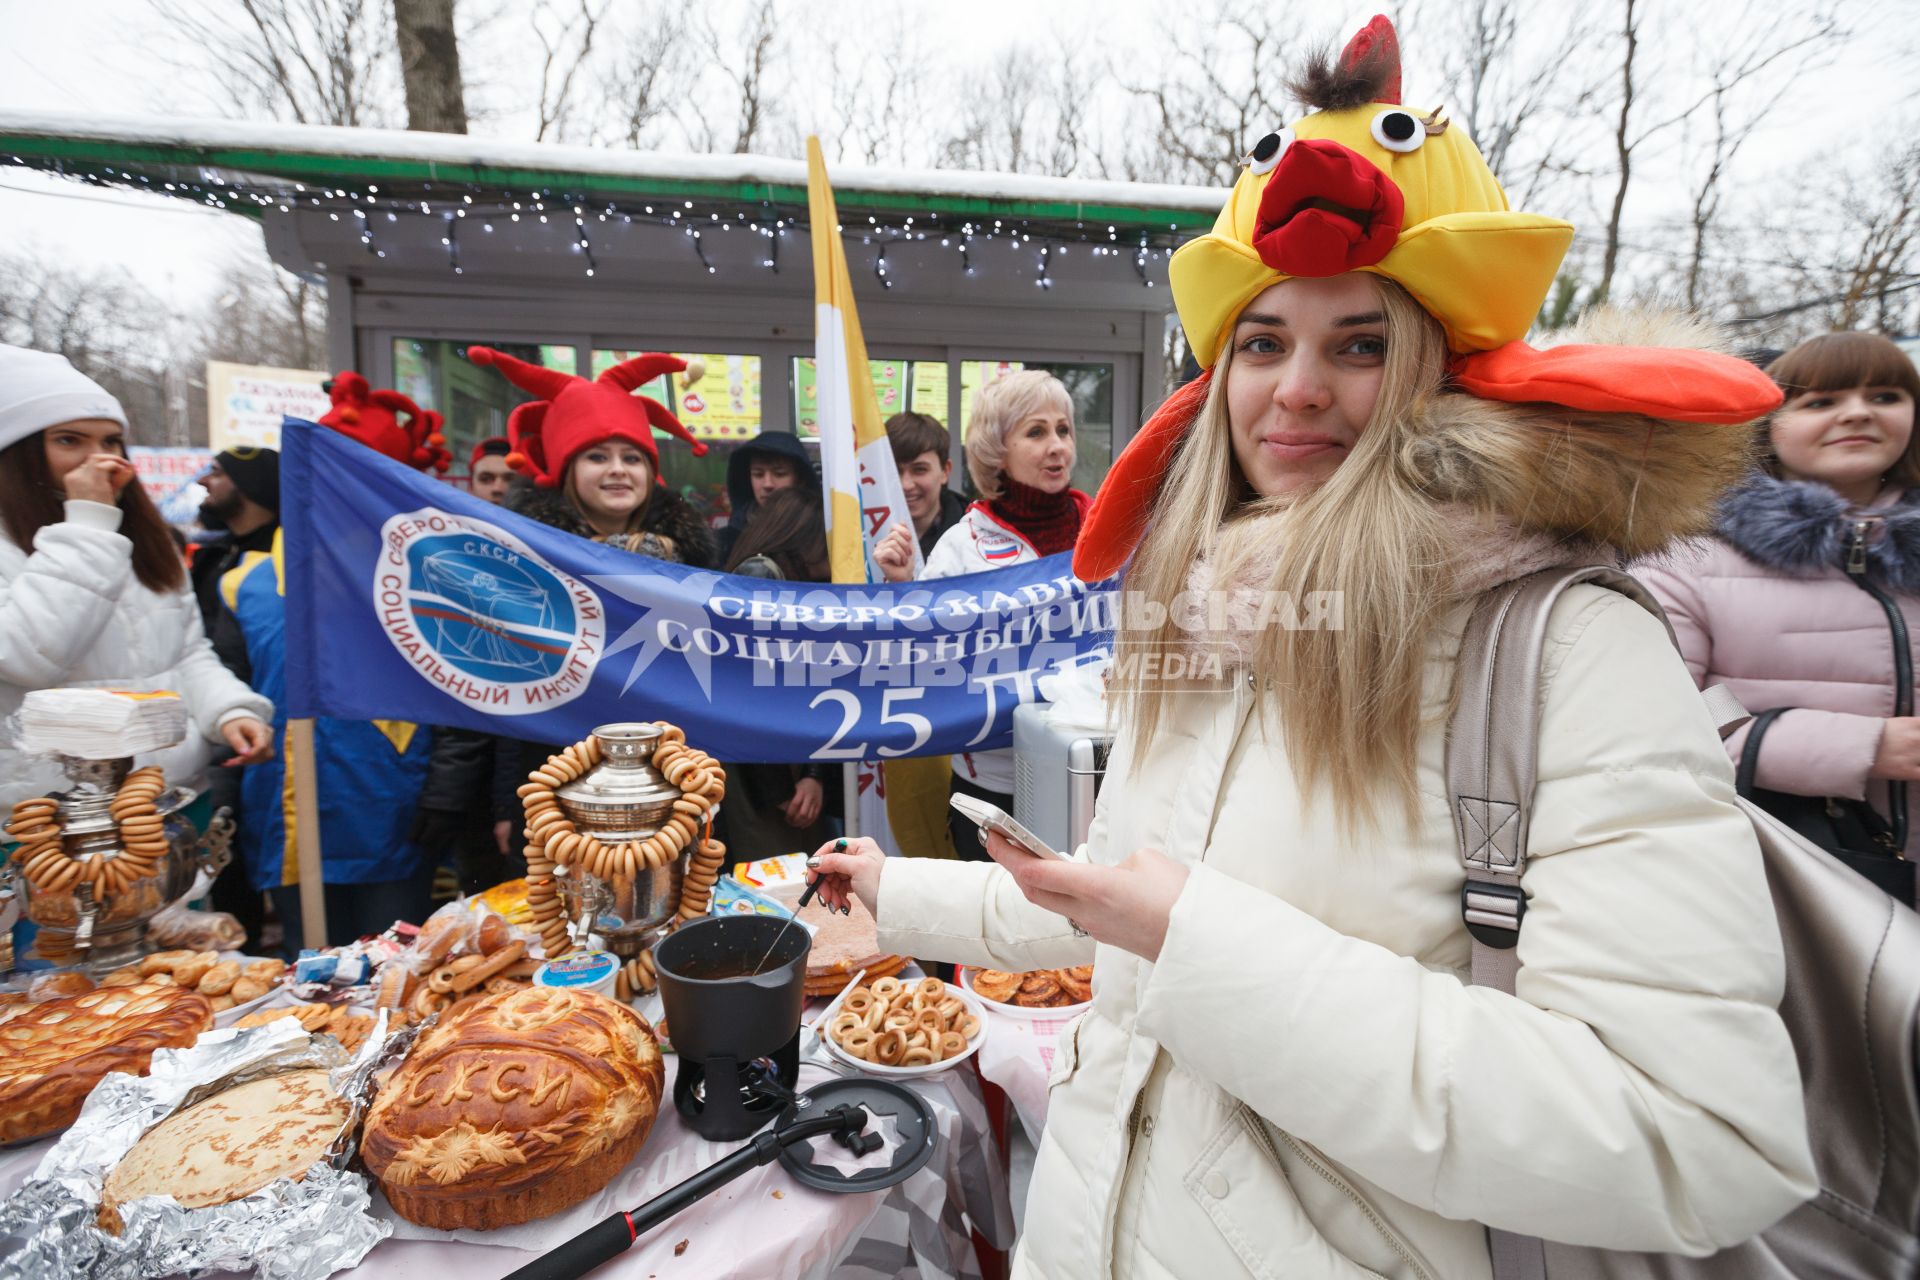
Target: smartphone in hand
[991,817]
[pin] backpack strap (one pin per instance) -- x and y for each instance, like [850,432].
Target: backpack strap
[1492,752]
[1493,744]
[1492,760]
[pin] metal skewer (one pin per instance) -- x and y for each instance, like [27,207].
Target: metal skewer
[839,846]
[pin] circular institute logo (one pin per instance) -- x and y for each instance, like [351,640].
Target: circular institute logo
[477,613]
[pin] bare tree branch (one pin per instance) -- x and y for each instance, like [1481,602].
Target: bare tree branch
[565,53]
[655,75]
[311,61]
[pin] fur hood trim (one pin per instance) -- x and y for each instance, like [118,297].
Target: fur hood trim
[668,514]
[1632,483]
[1483,551]
[1804,529]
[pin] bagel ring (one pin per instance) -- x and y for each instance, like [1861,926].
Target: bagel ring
[919,1056]
[952,1045]
[889,1047]
[885,988]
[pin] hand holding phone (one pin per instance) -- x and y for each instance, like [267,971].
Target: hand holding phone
[991,817]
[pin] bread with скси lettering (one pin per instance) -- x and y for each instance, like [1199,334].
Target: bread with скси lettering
[520,1105]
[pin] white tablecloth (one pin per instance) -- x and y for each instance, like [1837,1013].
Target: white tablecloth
[764,1224]
[1018,1057]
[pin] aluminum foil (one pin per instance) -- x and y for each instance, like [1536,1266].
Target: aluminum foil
[287,1230]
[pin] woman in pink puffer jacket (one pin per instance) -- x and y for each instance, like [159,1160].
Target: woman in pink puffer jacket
[1809,594]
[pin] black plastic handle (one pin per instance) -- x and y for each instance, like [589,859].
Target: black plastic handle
[602,1242]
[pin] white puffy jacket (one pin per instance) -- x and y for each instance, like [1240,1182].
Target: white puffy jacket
[1305,1085]
[71,611]
[977,543]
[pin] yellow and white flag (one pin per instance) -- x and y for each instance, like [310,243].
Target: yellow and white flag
[857,473]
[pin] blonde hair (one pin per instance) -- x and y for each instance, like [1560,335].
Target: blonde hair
[1346,702]
[998,408]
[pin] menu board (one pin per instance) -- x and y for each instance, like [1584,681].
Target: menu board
[723,403]
[930,389]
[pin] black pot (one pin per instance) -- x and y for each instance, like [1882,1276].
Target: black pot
[737,1017]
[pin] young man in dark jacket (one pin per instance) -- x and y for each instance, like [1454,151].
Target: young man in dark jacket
[772,461]
[921,449]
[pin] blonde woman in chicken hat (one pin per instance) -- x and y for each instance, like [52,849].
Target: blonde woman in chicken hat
[1286,1071]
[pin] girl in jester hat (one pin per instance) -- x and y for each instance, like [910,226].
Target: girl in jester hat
[588,454]
[588,466]
[1286,1071]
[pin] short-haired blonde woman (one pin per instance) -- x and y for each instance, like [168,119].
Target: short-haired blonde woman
[1020,453]
[1286,1070]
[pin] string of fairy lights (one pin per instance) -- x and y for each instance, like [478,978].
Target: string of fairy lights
[471,209]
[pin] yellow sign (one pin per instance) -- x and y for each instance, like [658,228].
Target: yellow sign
[930,389]
[245,402]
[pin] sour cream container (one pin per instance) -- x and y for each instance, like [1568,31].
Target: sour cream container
[593,971]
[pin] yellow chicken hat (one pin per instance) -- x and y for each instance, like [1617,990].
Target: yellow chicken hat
[1365,184]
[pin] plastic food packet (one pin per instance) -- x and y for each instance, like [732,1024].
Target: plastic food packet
[509,899]
[731,898]
[784,876]
[179,928]
[454,927]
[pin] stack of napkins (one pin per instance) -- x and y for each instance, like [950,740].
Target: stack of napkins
[101,724]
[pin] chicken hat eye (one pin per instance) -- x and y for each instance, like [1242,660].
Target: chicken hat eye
[1398,131]
[1266,153]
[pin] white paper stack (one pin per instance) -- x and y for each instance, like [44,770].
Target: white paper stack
[101,724]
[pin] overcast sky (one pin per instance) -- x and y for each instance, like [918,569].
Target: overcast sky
[54,58]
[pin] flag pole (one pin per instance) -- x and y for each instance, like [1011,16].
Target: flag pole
[306,832]
[859,482]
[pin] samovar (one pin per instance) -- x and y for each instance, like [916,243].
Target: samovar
[105,931]
[623,798]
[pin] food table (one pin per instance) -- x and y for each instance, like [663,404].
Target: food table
[764,1224]
[1019,1054]
[1018,1058]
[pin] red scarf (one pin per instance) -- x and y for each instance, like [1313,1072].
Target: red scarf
[1050,521]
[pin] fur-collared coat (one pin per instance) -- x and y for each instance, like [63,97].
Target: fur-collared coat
[670,530]
[1767,607]
[1304,1084]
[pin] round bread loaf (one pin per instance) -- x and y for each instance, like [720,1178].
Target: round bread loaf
[520,1105]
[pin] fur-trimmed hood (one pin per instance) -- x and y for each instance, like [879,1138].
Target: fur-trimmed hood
[1803,529]
[1630,483]
[668,514]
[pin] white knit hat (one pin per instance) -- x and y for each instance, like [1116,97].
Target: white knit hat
[39,390]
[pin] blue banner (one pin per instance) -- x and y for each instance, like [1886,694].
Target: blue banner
[408,599]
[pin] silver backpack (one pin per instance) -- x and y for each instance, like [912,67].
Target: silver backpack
[1852,1003]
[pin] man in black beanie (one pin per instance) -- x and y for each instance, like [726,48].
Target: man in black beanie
[243,504]
[243,501]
